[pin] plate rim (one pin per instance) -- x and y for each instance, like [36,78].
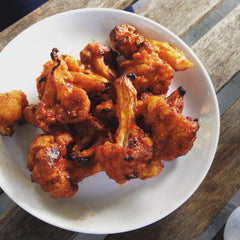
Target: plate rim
[217,133]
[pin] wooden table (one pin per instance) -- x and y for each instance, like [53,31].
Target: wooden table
[212,29]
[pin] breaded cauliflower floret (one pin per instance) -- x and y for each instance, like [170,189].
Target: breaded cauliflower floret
[172,133]
[151,72]
[127,41]
[11,107]
[131,153]
[49,167]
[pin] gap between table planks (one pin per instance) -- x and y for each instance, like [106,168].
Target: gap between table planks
[53,231]
[170,13]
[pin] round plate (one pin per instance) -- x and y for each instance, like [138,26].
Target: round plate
[101,205]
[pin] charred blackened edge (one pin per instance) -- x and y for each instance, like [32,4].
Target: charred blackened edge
[43,79]
[54,57]
[181,91]
[133,142]
[58,64]
[53,54]
[111,60]
[114,54]
[75,158]
[108,86]
[140,45]
[128,158]
[34,109]
[149,161]
[73,185]
[21,121]
[131,76]
[131,176]
[106,110]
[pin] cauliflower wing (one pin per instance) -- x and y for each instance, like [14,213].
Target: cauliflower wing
[171,55]
[106,113]
[151,72]
[175,100]
[88,135]
[131,153]
[61,102]
[49,167]
[127,41]
[60,159]
[11,108]
[172,133]
[100,59]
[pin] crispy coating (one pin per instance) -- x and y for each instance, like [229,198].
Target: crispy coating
[82,76]
[152,73]
[78,171]
[11,107]
[39,142]
[50,172]
[82,162]
[131,153]
[88,135]
[100,59]
[127,41]
[98,68]
[29,114]
[172,133]
[171,55]
[49,167]
[65,83]
[91,82]
[68,103]
[58,165]
[106,112]
[61,101]
[175,100]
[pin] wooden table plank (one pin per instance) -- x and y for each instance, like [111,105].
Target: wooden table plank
[215,191]
[20,225]
[179,16]
[219,49]
[204,26]
[5,204]
[53,7]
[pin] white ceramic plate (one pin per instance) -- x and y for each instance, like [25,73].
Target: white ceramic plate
[101,205]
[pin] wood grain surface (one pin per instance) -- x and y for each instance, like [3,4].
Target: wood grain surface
[219,49]
[20,225]
[53,7]
[179,16]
